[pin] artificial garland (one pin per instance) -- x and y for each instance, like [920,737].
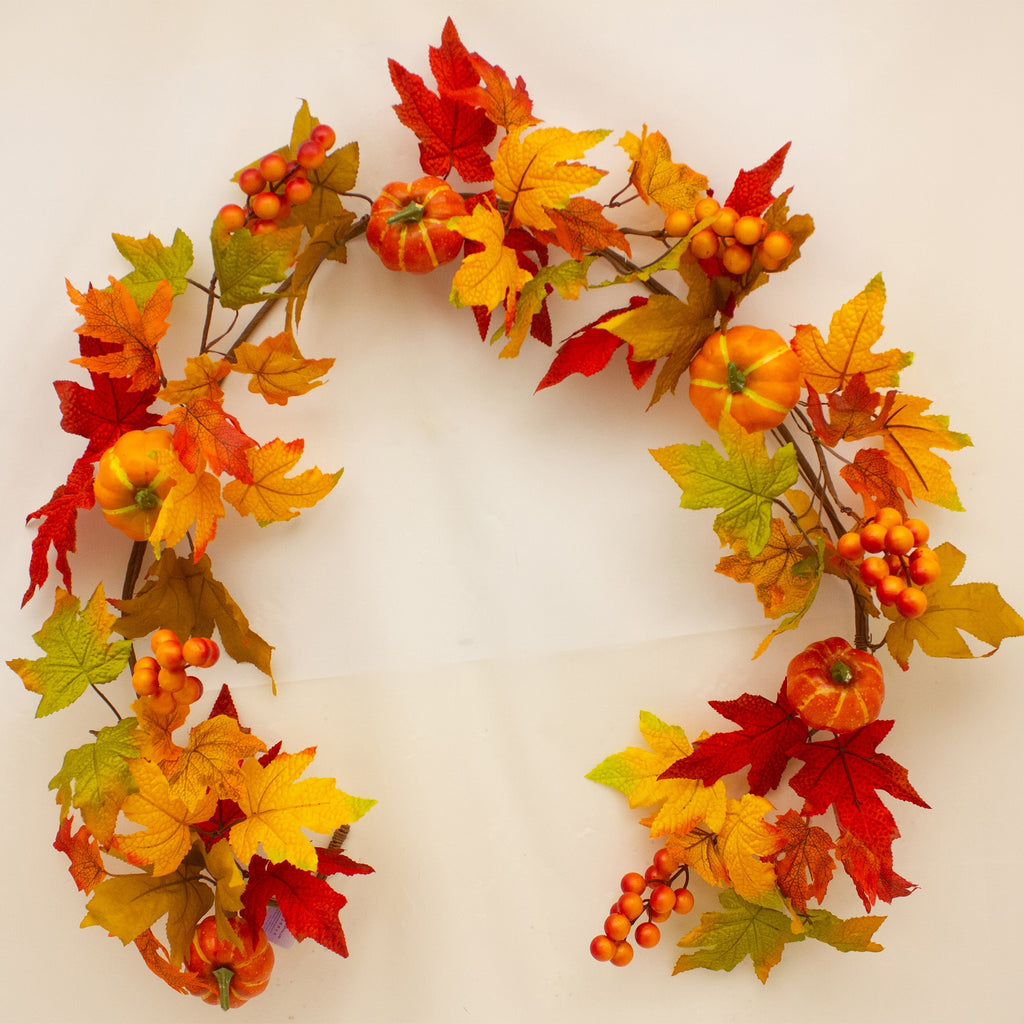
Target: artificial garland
[820,454]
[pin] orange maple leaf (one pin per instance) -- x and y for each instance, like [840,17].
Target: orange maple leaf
[805,865]
[508,106]
[582,227]
[656,177]
[112,316]
[534,172]
[203,427]
[202,380]
[194,498]
[86,867]
[279,370]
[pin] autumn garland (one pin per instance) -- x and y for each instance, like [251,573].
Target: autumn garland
[216,855]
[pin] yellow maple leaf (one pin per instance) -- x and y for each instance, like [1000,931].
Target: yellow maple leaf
[278,369]
[194,498]
[278,806]
[166,835]
[699,849]
[211,758]
[492,276]
[156,731]
[227,899]
[568,278]
[663,325]
[533,172]
[635,772]
[202,380]
[272,496]
[910,435]
[855,327]
[743,840]
[656,177]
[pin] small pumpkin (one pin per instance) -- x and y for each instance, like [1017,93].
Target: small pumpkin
[131,482]
[833,685]
[231,974]
[408,226]
[749,373]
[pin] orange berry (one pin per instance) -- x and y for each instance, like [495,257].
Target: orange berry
[617,926]
[232,216]
[873,570]
[190,692]
[273,167]
[144,677]
[725,222]
[887,516]
[170,656]
[924,570]
[633,882]
[172,679]
[161,636]
[684,901]
[737,259]
[898,540]
[911,603]
[679,223]
[200,651]
[849,546]
[662,899]
[890,588]
[749,229]
[623,954]
[602,948]
[631,905]
[777,245]
[919,528]
[766,261]
[648,935]
[872,537]
[704,244]
[706,207]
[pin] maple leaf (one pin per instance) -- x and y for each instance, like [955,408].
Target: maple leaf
[157,959]
[95,778]
[804,866]
[86,868]
[156,732]
[278,807]
[185,596]
[769,730]
[508,106]
[910,435]
[744,484]
[855,327]
[656,177]
[852,412]
[154,263]
[203,427]
[202,380]
[328,241]
[128,905]
[493,275]
[533,172]
[871,870]
[194,498]
[271,496]
[246,264]
[637,773]
[725,938]
[166,835]
[77,652]
[748,844]
[699,849]
[582,227]
[809,572]
[308,904]
[845,773]
[59,526]
[230,886]
[852,935]
[662,326]
[210,760]
[225,816]
[879,482]
[451,132]
[278,369]
[953,608]
[334,178]
[107,410]
[112,316]
[776,573]
[751,192]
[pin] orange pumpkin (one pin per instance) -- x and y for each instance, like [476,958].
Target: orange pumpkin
[832,685]
[748,373]
[131,483]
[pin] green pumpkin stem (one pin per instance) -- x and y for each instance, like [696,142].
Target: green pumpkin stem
[224,975]
[736,379]
[411,213]
[841,673]
[147,498]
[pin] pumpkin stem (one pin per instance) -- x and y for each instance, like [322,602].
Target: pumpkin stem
[224,975]
[841,673]
[411,213]
[146,498]
[736,379]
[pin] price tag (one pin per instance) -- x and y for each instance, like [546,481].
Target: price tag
[276,930]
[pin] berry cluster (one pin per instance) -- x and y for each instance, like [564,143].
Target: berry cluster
[894,560]
[275,185]
[164,678]
[612,946]
[736,241]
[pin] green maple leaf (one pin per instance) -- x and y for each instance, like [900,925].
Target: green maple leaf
[744,485]
[851,935]
[726,938]
[155,262]
[95,777]
[247,263]
[975,608]
[77,652]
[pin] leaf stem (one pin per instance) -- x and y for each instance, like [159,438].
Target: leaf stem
[103,697]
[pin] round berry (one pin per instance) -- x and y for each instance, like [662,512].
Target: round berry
[924,570]
[665,863]
[298,191]
[171,679]
[161,636]
[631,905]
[919,528]
[888,516]
[623,954]
[250,181]
[849,546]
[648,935]
[169,655]
[633,882]
[725,222]
[873,569]
[898,540]
[662,899]
[232,216]
[273,167]
[766,261]
[266,205]
[324,134]
[777,245]
[749,230]
[616,926]
[602,948]
[678,223]
[737,259]
[310,155]
[190,692]
[911,603]
[144,677]
[684,901]
[890,588]
[706,207]
[263,227]
[704,244]
[200,652]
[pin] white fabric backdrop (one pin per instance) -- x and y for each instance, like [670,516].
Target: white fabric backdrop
[501,580]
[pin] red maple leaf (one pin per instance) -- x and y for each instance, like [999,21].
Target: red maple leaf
[769,732]
[878,481]
[871,872]
[83,851]
[59,526]
[226,814]
[308,903]
[202,425]
[452,133]
[845,773]
[224,704]
[804,866]
[107,410]
[752,191]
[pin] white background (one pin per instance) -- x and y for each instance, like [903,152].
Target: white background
[501,580]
